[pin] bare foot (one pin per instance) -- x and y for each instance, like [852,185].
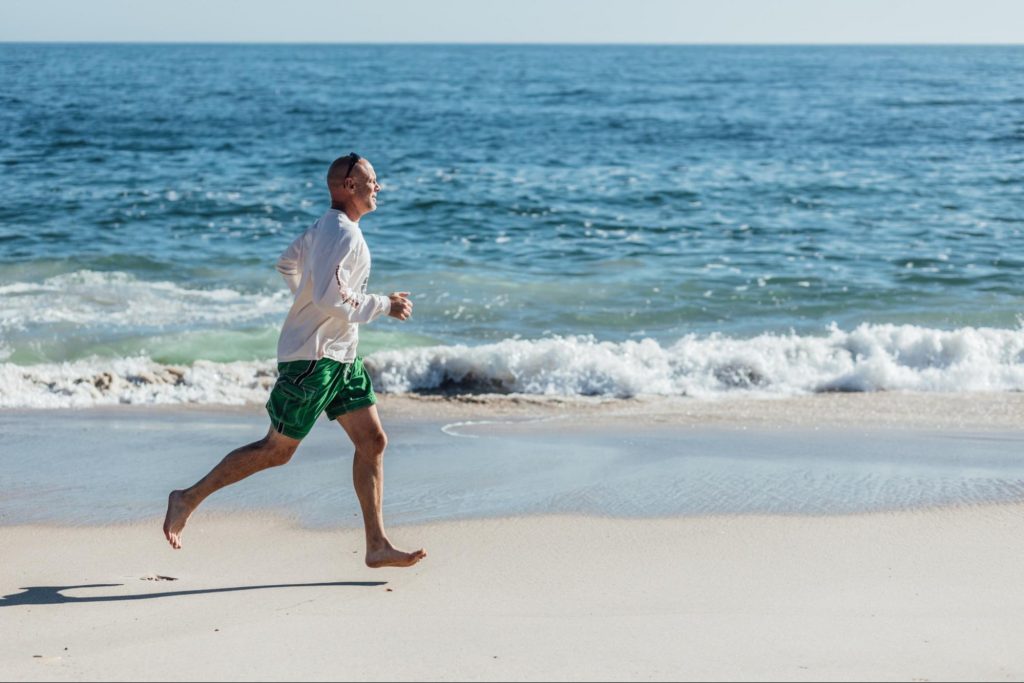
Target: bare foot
[178,513]
[388,556]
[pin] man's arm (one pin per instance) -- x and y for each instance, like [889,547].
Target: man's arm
[333,292]
[290,264]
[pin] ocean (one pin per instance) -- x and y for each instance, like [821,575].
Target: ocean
[571,220]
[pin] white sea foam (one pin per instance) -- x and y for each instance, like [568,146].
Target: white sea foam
[113,299]
[140,380]
[868,358]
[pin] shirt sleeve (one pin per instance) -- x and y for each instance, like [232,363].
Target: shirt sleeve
[334,292]
[290,264]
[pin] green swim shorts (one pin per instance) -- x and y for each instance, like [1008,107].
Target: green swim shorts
[307,388]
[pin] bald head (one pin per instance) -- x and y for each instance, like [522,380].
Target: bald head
[348,166]
[352,183]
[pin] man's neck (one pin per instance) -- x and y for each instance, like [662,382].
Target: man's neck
[352,214]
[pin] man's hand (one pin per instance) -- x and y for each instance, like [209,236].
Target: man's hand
[401,307]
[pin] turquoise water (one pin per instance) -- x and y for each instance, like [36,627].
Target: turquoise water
[570,195]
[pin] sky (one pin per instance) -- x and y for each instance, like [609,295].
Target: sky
[519,21]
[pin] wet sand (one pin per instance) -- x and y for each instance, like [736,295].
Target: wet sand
[837,537]
[486,457]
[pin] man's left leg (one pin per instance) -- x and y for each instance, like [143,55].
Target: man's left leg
[367,434]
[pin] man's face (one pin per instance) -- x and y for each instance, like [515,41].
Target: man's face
[365,189]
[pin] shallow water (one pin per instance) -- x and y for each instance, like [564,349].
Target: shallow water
[102,467]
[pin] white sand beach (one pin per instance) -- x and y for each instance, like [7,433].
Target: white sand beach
[911,596]
[929,592]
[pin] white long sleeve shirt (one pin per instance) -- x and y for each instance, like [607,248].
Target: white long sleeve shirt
[327,268]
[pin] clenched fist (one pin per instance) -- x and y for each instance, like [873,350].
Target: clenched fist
[401,306]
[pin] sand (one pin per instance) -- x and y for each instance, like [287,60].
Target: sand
[906,594]
[933,595]
[901,410]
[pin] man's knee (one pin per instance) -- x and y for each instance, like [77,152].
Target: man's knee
[282,454]
[278,452]
[374,443]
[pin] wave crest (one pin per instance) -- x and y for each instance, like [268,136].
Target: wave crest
[868,358]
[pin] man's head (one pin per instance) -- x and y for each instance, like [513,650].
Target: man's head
[352,183]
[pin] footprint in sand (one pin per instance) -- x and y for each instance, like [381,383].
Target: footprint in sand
[157,577]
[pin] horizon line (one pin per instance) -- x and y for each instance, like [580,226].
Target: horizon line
[507,43]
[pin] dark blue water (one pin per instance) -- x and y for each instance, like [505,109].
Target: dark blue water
[618,192]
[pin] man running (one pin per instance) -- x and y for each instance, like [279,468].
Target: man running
[327,269]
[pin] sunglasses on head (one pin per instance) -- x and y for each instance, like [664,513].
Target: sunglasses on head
[353,159]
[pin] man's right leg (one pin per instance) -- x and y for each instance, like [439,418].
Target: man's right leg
[272,450]
[364,429]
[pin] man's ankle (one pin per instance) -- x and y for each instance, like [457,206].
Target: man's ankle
[378,545]
[188,498]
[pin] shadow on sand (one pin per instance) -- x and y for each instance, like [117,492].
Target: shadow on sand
[52,595]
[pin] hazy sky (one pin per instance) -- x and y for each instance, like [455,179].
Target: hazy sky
[521,21]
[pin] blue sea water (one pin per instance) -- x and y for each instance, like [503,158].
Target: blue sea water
[569,219]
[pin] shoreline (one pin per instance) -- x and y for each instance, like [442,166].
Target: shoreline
[290,520]
[891,409]
[500,456]
[495,457]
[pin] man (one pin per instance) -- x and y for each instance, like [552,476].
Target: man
[327,269]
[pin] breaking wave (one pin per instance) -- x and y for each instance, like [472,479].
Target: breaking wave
[865,359]
[869,358]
